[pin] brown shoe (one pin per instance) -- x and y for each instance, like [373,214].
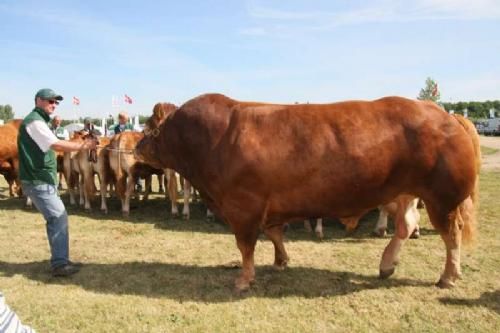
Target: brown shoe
[65,270]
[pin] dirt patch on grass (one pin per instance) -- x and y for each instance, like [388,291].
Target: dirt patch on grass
[491,161]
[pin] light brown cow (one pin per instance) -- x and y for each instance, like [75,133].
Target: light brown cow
[9,161]
[91,163]
[126,170]
[249,162]
[72,170]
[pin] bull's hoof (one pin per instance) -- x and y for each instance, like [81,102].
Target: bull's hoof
[445,284]
[185,217]
[415,234]
[385,273]
[381,233]
[280,265]
[319,235]
[241,286]
[126,214]
[210,218]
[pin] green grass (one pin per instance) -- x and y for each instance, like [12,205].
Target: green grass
[151,273]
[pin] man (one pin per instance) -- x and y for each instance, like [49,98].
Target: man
[38,174]
[60,132]
[123,124]
[88,126]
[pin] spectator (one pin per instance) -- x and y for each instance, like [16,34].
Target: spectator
[123,124]
[88,126]
[60,132]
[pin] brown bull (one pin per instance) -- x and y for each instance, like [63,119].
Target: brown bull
[260,165]
[9,161]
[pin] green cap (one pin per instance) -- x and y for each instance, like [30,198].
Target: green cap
[47,93]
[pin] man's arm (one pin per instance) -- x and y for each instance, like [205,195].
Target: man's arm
[46,140]
[69,146]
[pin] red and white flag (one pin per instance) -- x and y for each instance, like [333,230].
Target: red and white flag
[76,100]
[128,100]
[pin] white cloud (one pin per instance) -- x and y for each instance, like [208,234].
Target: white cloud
[378,11]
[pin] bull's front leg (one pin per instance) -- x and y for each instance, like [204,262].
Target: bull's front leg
[246,240]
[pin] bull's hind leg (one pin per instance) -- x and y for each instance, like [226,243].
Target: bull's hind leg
[275,234]
[405,222]
[449,225]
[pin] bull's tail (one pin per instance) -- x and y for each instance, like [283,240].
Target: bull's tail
[466,214]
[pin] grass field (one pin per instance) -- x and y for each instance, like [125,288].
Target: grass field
[149,273]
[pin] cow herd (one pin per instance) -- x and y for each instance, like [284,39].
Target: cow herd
[259,166]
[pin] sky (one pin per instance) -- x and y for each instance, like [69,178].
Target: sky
[257,50]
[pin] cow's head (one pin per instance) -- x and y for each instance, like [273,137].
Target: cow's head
[148,149]
[83,135]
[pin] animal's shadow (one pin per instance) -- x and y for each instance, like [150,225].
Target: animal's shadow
[206,283]
[487,299]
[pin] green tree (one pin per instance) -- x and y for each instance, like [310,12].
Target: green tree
[6,112]
[430,92]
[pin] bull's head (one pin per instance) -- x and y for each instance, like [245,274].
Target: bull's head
[147,150]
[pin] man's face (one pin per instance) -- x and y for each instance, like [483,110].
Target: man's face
[47,105]
[122,120]
[56,121]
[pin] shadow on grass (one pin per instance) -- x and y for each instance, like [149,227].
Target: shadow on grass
[206,283]
[490,300]
[156,211]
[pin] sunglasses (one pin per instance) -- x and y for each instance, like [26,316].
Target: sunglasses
[52,101]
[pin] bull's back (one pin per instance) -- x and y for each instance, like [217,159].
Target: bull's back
[306,160]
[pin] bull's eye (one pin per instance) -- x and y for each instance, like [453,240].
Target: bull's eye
[155,132]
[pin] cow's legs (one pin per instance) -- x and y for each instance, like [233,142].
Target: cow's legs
[160,183]
[172,190]
[350,223]
[187,195]
[128,193]
[405,222]
[275,234]
[147,181]
[82,190]
[88,182]
[380,229]
[104,191]
[246,244]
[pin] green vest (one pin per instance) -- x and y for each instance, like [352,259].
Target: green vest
[35,166]
[128,127]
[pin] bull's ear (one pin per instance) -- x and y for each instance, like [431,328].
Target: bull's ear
[158,113]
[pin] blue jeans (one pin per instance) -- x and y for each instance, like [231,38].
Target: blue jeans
[47,201]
